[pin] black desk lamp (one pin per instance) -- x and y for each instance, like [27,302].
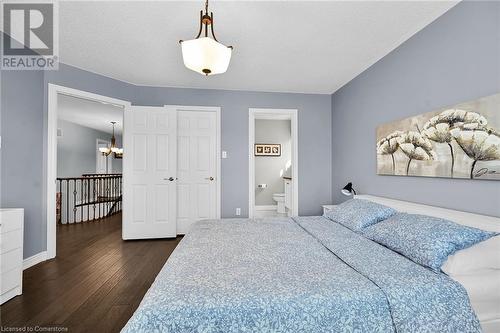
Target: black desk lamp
[348,190]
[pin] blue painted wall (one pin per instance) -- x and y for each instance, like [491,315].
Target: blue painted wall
[22,179]
[454,59]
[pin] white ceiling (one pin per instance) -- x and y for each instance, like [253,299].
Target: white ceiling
[89,113]
[290,46]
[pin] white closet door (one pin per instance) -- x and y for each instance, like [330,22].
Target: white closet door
[196,168]
[149,172]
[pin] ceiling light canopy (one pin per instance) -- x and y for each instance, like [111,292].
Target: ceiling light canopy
[205,54]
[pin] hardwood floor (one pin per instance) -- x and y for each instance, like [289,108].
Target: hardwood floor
[95,283]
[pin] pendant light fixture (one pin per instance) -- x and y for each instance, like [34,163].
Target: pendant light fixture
[205,54]
[117,152]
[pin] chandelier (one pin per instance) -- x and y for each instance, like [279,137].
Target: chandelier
[117,152]
[205,54]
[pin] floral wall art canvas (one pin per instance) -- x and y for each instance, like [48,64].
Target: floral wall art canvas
[462,141]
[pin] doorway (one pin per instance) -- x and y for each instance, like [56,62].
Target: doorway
[273,168]
[74,170]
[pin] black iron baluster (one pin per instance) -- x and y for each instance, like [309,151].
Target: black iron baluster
[87,197]
[110,181]
[113,193]
[98,195]
[74,200]
[117,194]
[67,201]
[93,198]
[106,181]
[103,196]
[81,200]
[115,189]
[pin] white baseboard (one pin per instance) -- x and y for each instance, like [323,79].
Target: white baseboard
[35,259]
[10,294]
[268,207]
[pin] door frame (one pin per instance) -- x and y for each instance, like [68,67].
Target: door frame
[273,114]
[51,152]
[218,154]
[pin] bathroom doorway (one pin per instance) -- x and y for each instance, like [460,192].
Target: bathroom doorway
[273,174]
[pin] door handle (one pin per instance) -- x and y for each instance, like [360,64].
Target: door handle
[210,178]
[170,179]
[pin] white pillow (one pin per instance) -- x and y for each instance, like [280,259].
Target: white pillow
[482,256]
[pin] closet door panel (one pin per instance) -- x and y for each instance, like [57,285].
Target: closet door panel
[149,173]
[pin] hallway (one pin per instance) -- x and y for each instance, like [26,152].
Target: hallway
[95,283]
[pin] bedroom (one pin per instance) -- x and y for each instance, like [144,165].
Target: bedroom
[353,73]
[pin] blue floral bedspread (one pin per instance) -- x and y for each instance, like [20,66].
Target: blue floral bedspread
[302,275]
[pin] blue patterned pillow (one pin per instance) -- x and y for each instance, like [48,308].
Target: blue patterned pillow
[424,239]
[357,214]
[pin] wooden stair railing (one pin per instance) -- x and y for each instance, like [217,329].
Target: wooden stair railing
[116,204]
[88,198]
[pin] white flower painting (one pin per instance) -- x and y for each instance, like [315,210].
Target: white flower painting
[462,141]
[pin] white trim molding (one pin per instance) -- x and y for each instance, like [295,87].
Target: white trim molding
[218,147]
[51,152]
[34,260]
[277,114]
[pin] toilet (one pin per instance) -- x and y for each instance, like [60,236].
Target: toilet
[280,200]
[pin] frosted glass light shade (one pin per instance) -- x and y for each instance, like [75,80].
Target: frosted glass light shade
[104,150]
[205,56]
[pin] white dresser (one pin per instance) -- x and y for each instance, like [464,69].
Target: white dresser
[11,253]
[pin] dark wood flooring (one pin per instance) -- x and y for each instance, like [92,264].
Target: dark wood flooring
[95,283]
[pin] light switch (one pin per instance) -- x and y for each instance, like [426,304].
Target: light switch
[224,154]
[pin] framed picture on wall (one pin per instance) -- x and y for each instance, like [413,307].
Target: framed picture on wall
[458,141]
[263,149]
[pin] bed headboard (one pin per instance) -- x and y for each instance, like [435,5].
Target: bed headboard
[488,223]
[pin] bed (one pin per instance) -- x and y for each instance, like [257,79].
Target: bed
[303,274]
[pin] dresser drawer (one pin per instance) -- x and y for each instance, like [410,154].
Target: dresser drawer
[11,219]
[11,240]
[11,260]
[11,279]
